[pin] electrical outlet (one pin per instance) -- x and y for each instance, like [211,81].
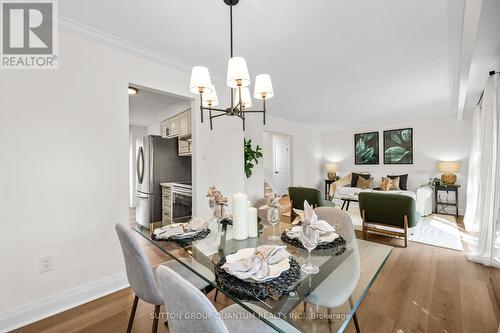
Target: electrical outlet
[46,263]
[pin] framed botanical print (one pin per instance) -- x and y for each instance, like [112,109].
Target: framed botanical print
[366,148]
[398,146]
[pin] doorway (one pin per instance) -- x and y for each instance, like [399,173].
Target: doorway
[277,149]
[160,150]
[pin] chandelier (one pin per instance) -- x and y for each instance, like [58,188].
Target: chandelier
[238,81]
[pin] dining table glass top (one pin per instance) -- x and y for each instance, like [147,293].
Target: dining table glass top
[332,295]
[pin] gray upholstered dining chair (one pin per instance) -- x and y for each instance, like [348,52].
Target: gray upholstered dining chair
[182,298]
[336,289]
[142,277]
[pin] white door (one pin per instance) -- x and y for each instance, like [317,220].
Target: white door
[281,167]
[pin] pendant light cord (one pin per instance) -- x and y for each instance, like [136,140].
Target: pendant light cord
[231,27]
[231,46]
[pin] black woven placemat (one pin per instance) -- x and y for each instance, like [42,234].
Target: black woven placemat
[184,241]
[337,246]
[245,290]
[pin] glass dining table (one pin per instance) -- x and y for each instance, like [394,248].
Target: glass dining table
[332,296]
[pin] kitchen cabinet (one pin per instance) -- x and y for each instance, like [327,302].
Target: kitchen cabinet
[163,128]
[185,124]
[166,204]
[185,147]
[172,127]
[177,126]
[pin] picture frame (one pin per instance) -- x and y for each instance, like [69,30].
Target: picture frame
[366,148]
[398,146]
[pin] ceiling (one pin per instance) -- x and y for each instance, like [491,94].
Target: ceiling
[333,63]
[486,55]
[145,107]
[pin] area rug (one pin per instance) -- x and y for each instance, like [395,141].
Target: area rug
[438,230]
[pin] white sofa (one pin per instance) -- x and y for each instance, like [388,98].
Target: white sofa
[416,188]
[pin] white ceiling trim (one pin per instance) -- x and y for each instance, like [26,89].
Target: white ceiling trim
[87,32]
[100,37]
[472,15]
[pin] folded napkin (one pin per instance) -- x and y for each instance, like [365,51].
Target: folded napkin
[194,226]
[272,200]
[313,229]
[255,264]
[308,217]
[326,237]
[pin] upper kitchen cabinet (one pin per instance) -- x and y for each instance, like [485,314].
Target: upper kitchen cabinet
[185,123]
[177,126]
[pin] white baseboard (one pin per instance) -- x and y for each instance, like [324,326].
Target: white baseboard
[45,307]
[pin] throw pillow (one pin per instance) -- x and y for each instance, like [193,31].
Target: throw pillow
[355,176]
[403,180]
[395,183]
[365,183]
[386,184]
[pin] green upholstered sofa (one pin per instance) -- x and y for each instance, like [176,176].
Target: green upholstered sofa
[313,196]
[388,214]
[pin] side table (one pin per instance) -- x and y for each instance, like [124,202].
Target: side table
[328,182]
[447,189]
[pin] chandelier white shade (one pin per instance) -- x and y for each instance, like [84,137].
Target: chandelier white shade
[263,87]
[210,97]
[238,81]
[246,99]
[200,80]
[237,73]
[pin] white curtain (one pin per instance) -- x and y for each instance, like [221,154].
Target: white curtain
[482,216]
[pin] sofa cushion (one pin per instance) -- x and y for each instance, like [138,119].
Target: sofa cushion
[355,176]
[364,183]
[387,184]
[403,179]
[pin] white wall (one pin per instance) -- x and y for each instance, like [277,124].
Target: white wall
[268,157]
[306,152]
[438,139]
[135,132]
[66,133]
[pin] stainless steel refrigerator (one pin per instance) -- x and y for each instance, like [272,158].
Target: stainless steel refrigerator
[157,162]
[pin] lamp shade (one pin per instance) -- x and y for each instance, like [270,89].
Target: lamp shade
[200,80]
[448,166]
[237,73]
[246,100]
[331,167]
[210,97]
[263,87]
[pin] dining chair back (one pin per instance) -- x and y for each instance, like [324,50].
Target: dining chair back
[337,288]
[185,299]
[139,273]
[339,219]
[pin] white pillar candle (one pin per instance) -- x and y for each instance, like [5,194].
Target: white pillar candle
[240,211]
[252,222]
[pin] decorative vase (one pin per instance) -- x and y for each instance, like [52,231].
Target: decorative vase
[219,212]
[448,178]
[332,175]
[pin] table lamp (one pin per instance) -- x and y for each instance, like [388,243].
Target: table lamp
[331,169]
[448,168]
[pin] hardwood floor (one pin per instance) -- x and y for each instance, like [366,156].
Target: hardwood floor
[421,288]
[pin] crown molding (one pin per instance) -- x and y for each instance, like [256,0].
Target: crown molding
[84,31]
